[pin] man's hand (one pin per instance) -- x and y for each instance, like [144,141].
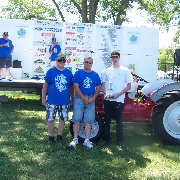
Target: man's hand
[6,44]
[85,99]
[90,100]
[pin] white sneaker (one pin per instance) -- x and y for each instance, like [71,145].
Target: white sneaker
[88,143]
[11,78]
[74,142]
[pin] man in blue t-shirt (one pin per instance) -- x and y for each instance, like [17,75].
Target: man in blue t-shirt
[54,50]
[6,49]
[56,94]
[87,85]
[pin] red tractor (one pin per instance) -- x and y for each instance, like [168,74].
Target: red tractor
[158,104]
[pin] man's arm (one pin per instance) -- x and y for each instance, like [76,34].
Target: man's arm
[71,94]
[123,91]
[5,44]
[79,93]
[44,93]
[95,94]
[106,95]
[58,49]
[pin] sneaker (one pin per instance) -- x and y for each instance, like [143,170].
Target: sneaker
[74,142]
[122,145]
[50,140]
[88,144]
[59,139]
[11,78]
[0,77]
[103,143]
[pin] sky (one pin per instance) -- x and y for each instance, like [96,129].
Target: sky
[139,19]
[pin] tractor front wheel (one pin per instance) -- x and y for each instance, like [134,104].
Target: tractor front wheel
[96,130]
[166,118]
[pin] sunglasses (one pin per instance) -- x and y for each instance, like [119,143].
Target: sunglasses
[61,60]
[114,57]
[87,62]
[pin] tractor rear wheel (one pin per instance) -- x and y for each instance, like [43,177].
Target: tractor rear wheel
[166,118]
[96,130]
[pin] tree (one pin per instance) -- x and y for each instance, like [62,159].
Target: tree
[166,59]
[116,10]
[176,40]
[162,12]
[86,9]
[24,9]
[166,55]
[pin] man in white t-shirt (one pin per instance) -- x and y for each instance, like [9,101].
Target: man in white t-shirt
[116,81]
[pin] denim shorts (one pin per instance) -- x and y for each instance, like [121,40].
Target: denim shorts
[62,110]
[83,112]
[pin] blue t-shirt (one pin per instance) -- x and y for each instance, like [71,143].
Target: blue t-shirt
[58,86]
[87,81]
[5,51]
[55,51]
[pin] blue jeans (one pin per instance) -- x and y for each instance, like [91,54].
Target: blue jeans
[83,112]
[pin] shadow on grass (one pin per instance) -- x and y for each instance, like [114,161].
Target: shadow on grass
[25,154]
[7,168]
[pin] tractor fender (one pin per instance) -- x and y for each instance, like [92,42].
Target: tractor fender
[163,90]
[149,88]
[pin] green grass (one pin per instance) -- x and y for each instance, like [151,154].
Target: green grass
[24,153]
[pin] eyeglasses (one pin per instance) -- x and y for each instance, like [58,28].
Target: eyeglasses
[87,62]
[61,60]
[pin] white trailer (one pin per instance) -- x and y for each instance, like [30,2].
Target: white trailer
[32,39]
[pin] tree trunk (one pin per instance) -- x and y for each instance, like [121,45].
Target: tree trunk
[84,12]
[59,11]
[92,10]
[122,12]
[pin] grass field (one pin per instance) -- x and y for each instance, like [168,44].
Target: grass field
[24,153]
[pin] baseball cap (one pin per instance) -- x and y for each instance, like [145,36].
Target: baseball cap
[61,55]
[5,34]
[115,54]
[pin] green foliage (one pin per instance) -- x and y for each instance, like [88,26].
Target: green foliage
[176,40]
[162,12]
[165,59]
[24,153]
[166,55]
[116,10]
[24,9]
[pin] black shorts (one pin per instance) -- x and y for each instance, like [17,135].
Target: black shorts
[5,62]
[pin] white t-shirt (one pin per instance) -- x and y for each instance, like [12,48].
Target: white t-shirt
[116,79]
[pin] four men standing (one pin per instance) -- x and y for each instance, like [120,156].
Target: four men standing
[57,90]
